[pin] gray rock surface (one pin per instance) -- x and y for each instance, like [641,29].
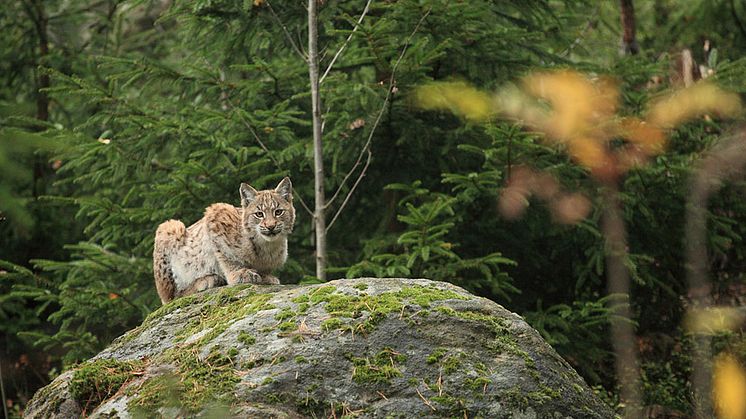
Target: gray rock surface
[355,347]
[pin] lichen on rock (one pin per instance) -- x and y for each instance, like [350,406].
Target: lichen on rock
[355,347]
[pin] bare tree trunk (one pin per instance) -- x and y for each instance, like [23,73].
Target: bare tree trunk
[319,219]
[629,39]
[622,331]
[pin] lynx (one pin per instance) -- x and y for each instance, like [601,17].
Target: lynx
[229,245]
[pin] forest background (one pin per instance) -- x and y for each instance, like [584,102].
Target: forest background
[117,115]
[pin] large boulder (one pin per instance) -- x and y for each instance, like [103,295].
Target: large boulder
[353,347]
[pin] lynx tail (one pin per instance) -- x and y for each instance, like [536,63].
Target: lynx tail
[168,238]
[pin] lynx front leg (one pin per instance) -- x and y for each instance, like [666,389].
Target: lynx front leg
[203,283]
[237,274]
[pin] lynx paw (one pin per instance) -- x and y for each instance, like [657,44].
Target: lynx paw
[270,280]
[246,276]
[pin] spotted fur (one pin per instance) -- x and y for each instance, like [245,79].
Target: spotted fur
[229,245]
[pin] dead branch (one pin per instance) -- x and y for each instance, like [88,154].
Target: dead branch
[366,146]
[347,41]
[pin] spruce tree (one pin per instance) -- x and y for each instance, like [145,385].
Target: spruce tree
[158,110]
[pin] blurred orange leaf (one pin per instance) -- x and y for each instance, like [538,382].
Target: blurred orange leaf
[513,202]
[571,209]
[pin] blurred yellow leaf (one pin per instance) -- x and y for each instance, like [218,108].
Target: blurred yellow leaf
[729,388]
[458,97]
[714,319]
[579,106]
[649,138]
[516,104]
[580,112]
[693,101]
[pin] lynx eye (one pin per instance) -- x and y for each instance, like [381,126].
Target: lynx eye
[278,212]
[259,214]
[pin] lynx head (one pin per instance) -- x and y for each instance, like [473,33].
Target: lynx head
[269,214]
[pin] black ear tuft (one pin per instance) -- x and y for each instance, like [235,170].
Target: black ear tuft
[285,189]
[248,194]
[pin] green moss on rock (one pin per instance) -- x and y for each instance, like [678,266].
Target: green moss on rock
[303,298]
[224,308]
[159,391]
[331,324]
[450,405]
[503,341]
[339,304]
[437,355]
[287,326]
[284,314]
[451,363]
[158,314]
[246,338]
[195,384]
[378,369]
[424,296]
[96,381]
[319,294]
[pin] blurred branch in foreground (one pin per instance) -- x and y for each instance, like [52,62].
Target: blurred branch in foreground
[726,162]
[580,114]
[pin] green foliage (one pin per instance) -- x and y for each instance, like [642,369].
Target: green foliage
[665,383]
[577,331]
[99,282]
[156,135]
[423,250]
[157,111]
[17,147]
[16,315]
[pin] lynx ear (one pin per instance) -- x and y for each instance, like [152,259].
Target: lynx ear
[248,194]
[285,189]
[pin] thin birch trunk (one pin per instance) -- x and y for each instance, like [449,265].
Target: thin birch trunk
[319,219]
